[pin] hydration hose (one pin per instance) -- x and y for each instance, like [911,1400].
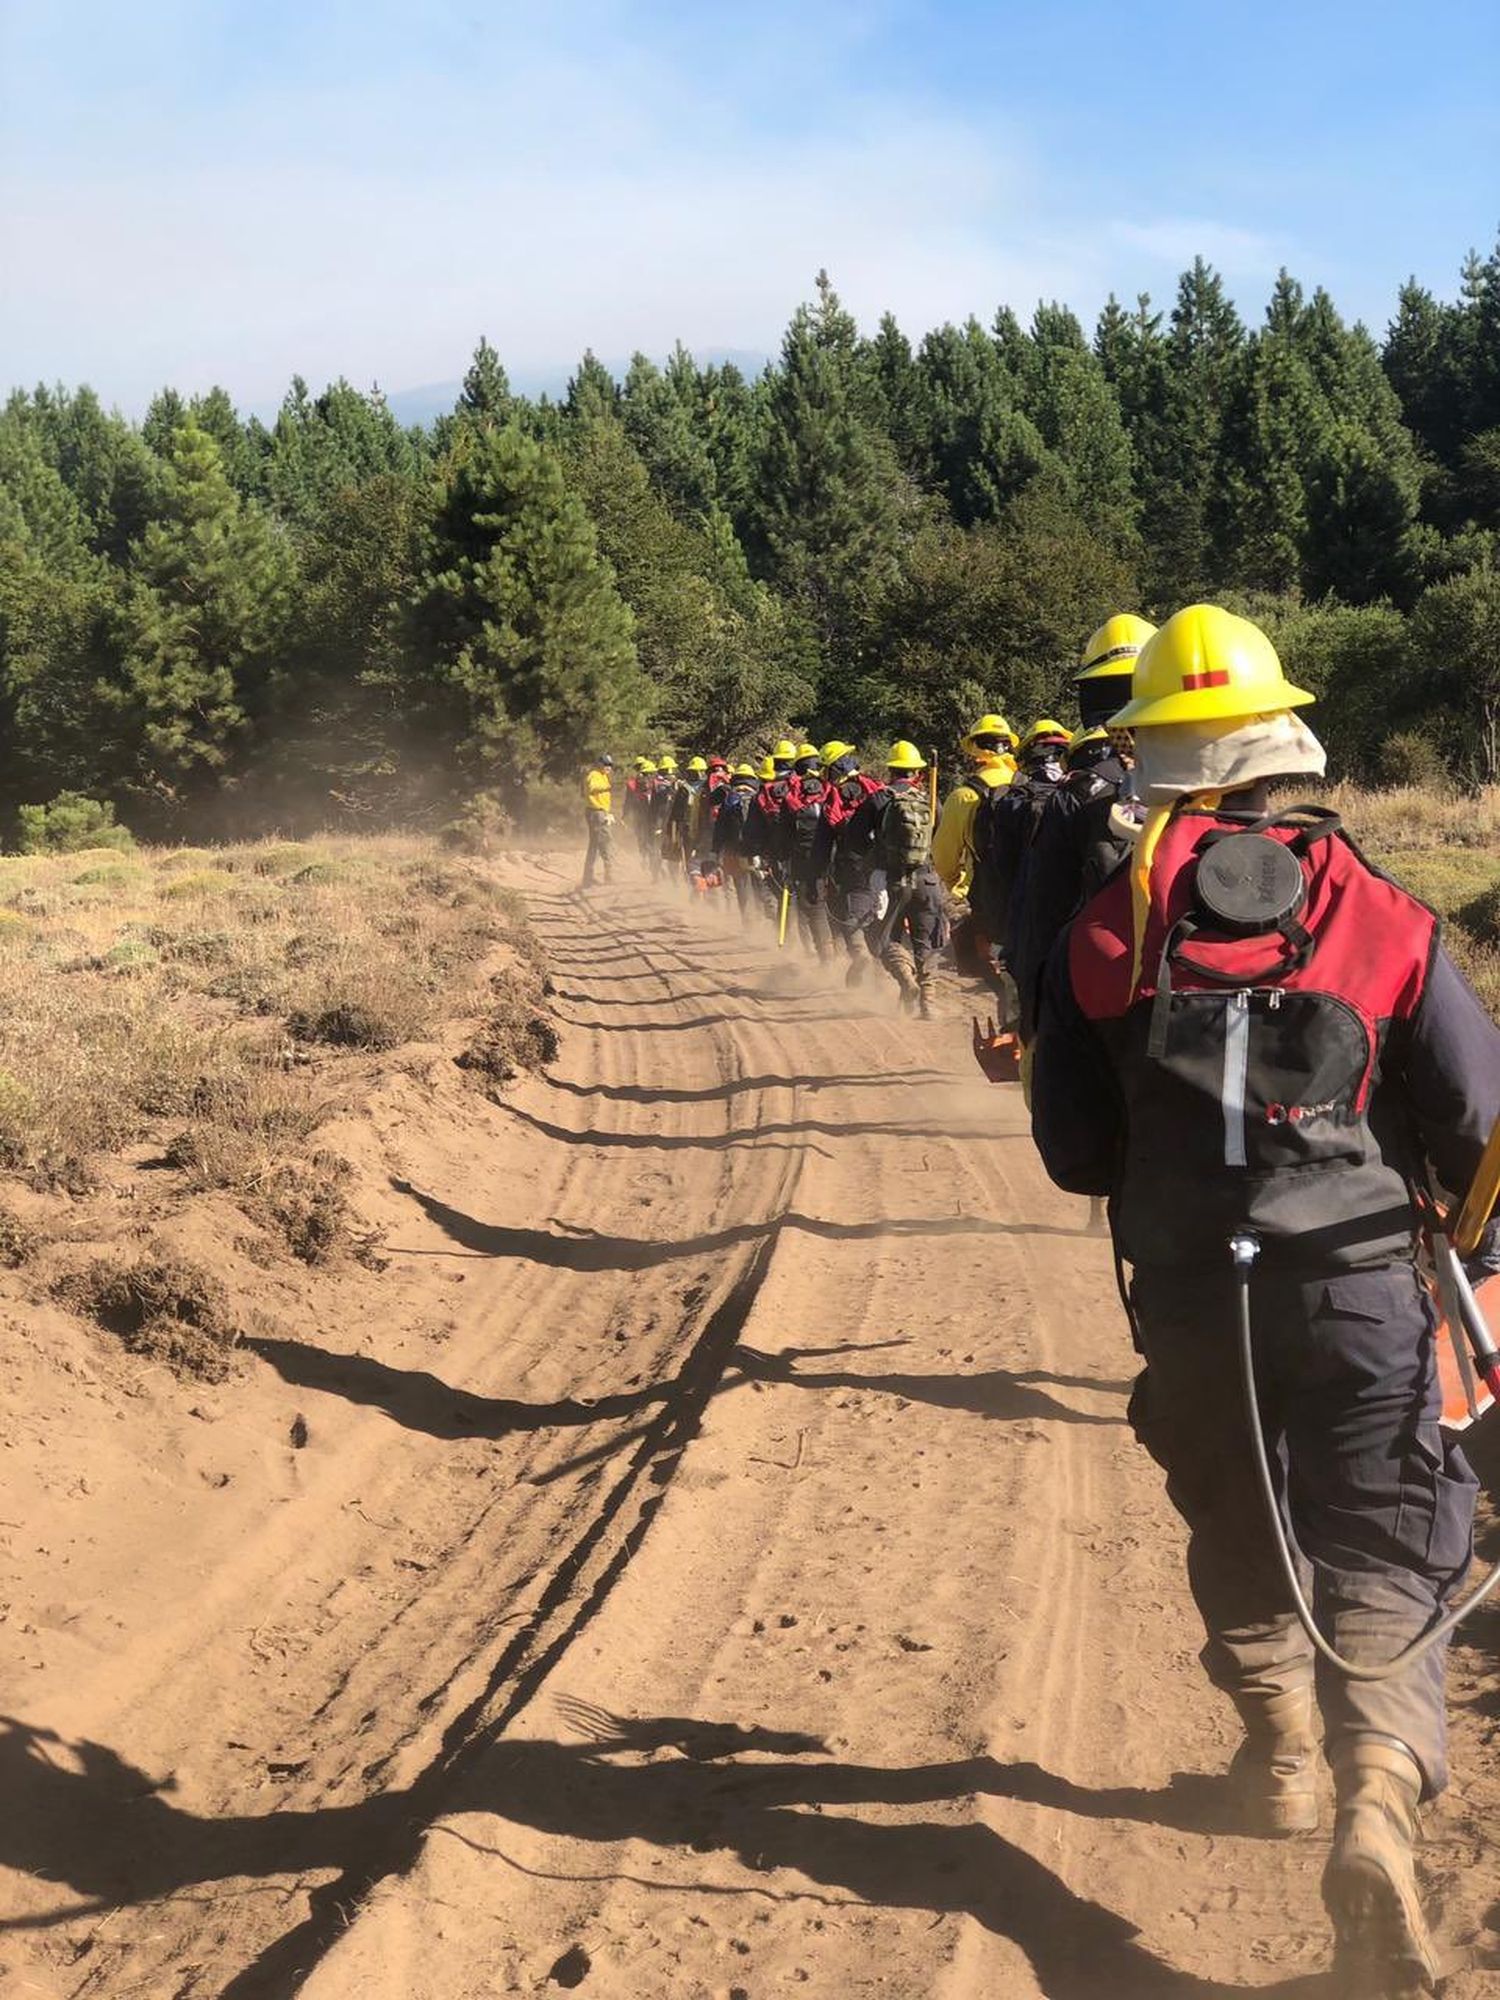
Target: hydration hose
[1244,1248]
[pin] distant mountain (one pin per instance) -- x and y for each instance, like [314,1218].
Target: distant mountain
[432,399]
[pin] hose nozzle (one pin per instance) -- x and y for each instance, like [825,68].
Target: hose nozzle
[1244,1248]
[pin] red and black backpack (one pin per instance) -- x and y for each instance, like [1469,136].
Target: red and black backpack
[1275,968]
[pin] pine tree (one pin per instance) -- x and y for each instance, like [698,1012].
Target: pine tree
[593,391]
[1077,412]
[517,616]
[485,401]
[1203,344]
[657,411]
[897,386]
[982,447]
[1455,630]
[829,492]
[202,629]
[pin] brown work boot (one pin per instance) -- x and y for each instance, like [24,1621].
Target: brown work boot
[1382,1947]
[1273,1778]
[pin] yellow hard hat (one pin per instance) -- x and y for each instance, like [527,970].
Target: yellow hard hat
[1058,731]
[991,725]
[648,769]
[699,764]
[784,752]
[642,762]
[1077,740]
[768,770]
[835,748]
[806,750]
[1114,648]
[905,757]
[744,770]
[667,762]
[1207,665]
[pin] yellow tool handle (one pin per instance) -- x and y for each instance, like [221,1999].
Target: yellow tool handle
[932,784]
[1479,1202]
[786,904]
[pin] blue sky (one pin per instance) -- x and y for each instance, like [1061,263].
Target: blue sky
[230,190]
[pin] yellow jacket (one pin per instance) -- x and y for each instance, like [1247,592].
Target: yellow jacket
[952,843]
[596,790]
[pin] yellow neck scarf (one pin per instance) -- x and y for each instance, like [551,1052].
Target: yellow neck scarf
[1154,826]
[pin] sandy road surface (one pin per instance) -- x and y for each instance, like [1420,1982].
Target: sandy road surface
[744,1583]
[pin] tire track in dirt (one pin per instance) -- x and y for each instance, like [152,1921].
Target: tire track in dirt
[853,1656]
[347,1682]
[856,1718]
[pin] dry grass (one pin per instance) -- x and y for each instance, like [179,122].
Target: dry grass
[208,999]
[162,1306]
[1446,849]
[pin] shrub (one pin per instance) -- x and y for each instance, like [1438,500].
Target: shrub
[308,1206]
[198,885]
[281,859]
[112,877]
[1480,916]
[1410,758]
[479,828]
[347,1024]
[19,1241]
[163,1306]
[69,824]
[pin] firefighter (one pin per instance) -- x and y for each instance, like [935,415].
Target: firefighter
[849,903]
[731,833]
[767,821]
[599,819]
[682,817]
[663,799]
[1078,846]
[1278,1047]
[1103,677]
[988,749]
[890,840]
[642,803]
[803,850]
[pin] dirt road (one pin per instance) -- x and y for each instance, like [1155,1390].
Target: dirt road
[716,1564]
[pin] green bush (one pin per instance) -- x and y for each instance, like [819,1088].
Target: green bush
[69,824]
[1410,758]
[1480,916]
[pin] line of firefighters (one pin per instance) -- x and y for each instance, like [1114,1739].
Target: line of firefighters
[863,866]
[1247,1041]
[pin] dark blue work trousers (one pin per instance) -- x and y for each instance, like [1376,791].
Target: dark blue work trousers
[1380,1498]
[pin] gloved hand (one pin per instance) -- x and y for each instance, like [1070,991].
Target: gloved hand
[609,819]
[882,905]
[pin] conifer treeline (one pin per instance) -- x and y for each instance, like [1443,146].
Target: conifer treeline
[203,618]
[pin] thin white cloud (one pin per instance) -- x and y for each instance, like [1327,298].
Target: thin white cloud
[1177,240]
[554,179]
[248,273]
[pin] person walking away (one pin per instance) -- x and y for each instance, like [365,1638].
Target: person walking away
[663,799]
[644,801]
[731,829]
[805,805]
[987,749]
[1005,824]
[1079,844]
[844,871]
[683,819]
[599,819]
[893,828]
[768,832]
[1287,1075]
[630,804]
